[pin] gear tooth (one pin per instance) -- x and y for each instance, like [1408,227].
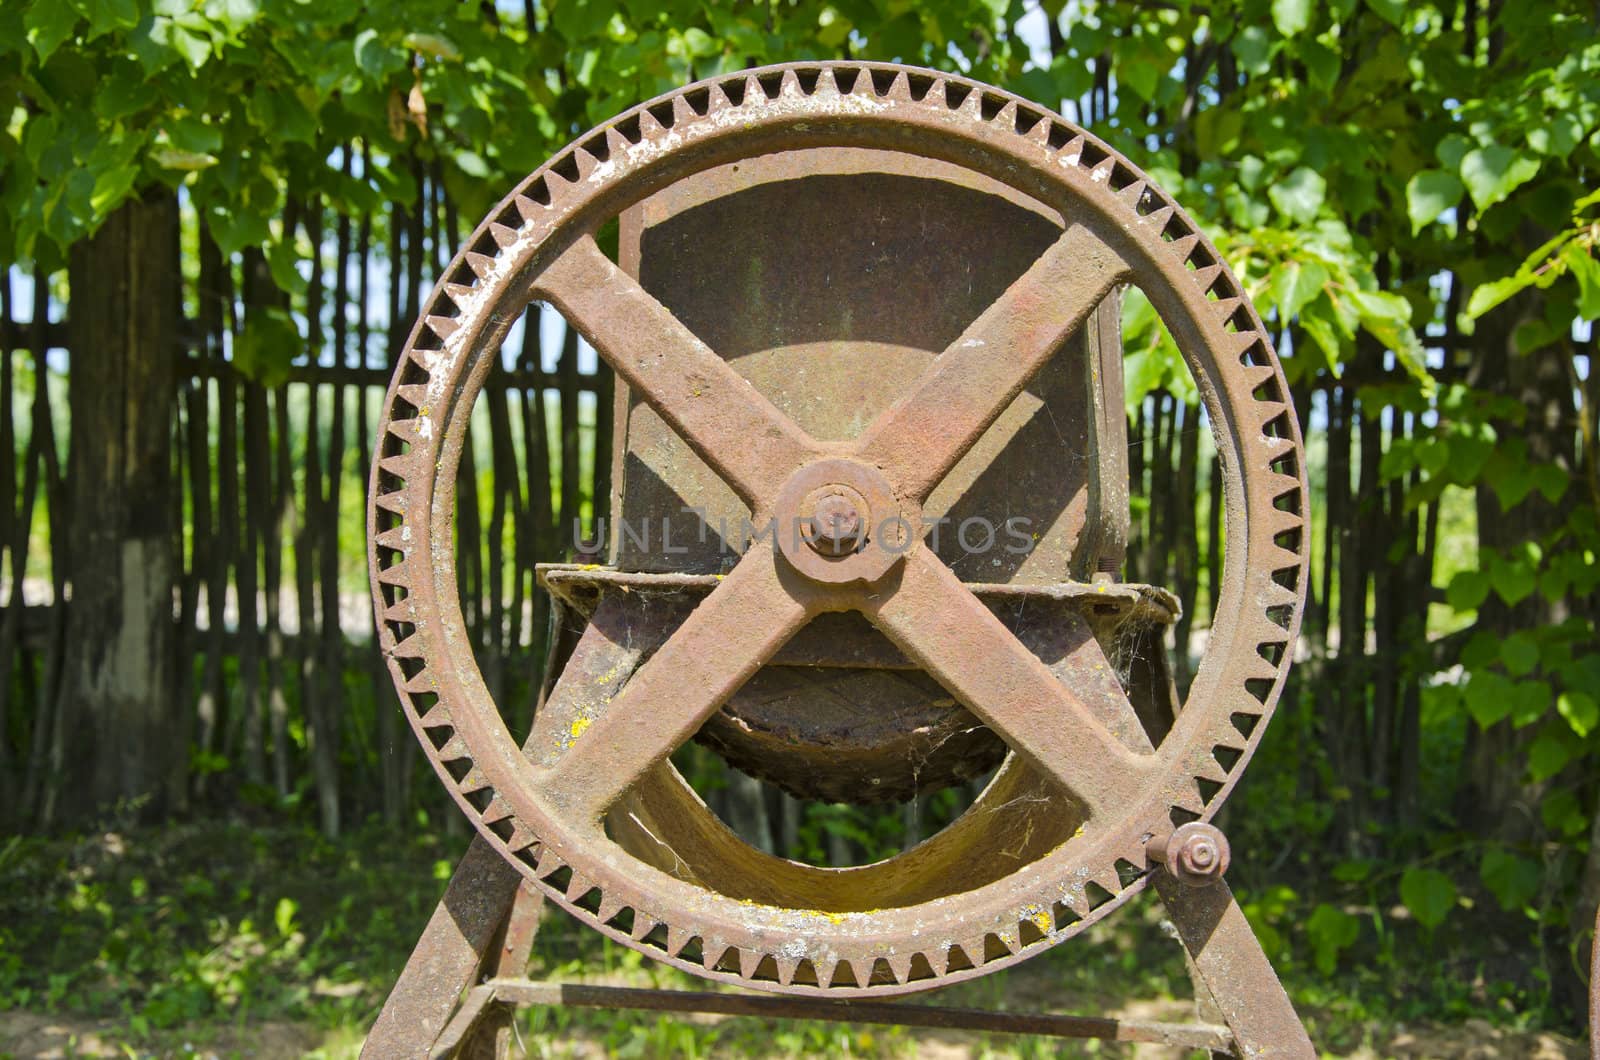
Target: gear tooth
[1206,767]
[409,648]
[1101,173]
[522,837]
[1224,308]
[1157,219]
[610,906]
[972,106]
[826,85]
[1281,558]
[677,939]
[1183,246]
[1267,411]
[1072,152]
[825,967]
[586,161]
[578,885]
[1278,485]
[443,327]
[1207,276]
[528,209]
[939,960]
[557,185]
[616,143]
[900,88]
[749,961]
[394,539]
[786,968]
[475,780]
[650,126]
[1276,446]
[1040,133]
[643,924]
[404,610]
[397,574]
[547,864]
[460,293]
[975,949]
[1076,900]
[436,717]
[454,749]
[789,87]
[405,429]
[899,966]
[682,113]
[1133,193]
[1007,118]
[413,394]
[402,466]
[1254,374]
[497,810]
[712,953]
[1278,595]
[481,264]
[1188,797]
[503,235]
[1010,938]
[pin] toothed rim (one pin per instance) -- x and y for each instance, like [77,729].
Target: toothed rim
[451,349]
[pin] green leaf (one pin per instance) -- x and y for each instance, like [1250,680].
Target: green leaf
[1391,11]
[1563,815]
[1489,295]
[1429,895]
[49,23]
[1291,16]
[432,45]
[1468,590]
[1331,930]
[1530,702]
[1580,709]
[107,16]
[1294,284]
[183,161]
[1586,270]
[1487,697]
[1520,653]
[266,346]
[283,916]
[1513,579]
[1491,173]
[1548,755]
[1299,195]
[375,58]
[1514,881]
[1429,194]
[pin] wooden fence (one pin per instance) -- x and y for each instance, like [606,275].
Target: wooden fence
[280,690]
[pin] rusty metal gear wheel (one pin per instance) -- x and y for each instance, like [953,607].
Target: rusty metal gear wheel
[1060,836]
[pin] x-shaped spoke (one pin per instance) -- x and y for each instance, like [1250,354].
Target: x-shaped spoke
[725,640]
[725,420]
[759,451]
[945,629]
[918,439]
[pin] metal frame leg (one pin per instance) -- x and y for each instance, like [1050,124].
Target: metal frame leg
[1235,972]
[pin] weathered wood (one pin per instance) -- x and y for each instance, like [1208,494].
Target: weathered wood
[118,680]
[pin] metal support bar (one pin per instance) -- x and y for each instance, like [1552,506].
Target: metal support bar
[1235,970]
[578,995]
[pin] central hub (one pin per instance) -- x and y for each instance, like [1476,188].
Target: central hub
[840,518]
[837,520]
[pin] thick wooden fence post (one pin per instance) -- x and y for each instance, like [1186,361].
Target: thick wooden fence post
[126,732]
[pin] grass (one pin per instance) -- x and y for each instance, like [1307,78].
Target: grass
[254,938]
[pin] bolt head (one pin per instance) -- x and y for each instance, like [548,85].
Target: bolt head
[1197,854]
[836,523]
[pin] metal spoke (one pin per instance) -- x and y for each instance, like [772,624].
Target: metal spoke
[725,640]
[725,420]
[943,627]
[918,439]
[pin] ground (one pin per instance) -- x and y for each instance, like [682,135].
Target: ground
[250,941]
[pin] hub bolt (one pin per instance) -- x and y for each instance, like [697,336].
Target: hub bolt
[836,522]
